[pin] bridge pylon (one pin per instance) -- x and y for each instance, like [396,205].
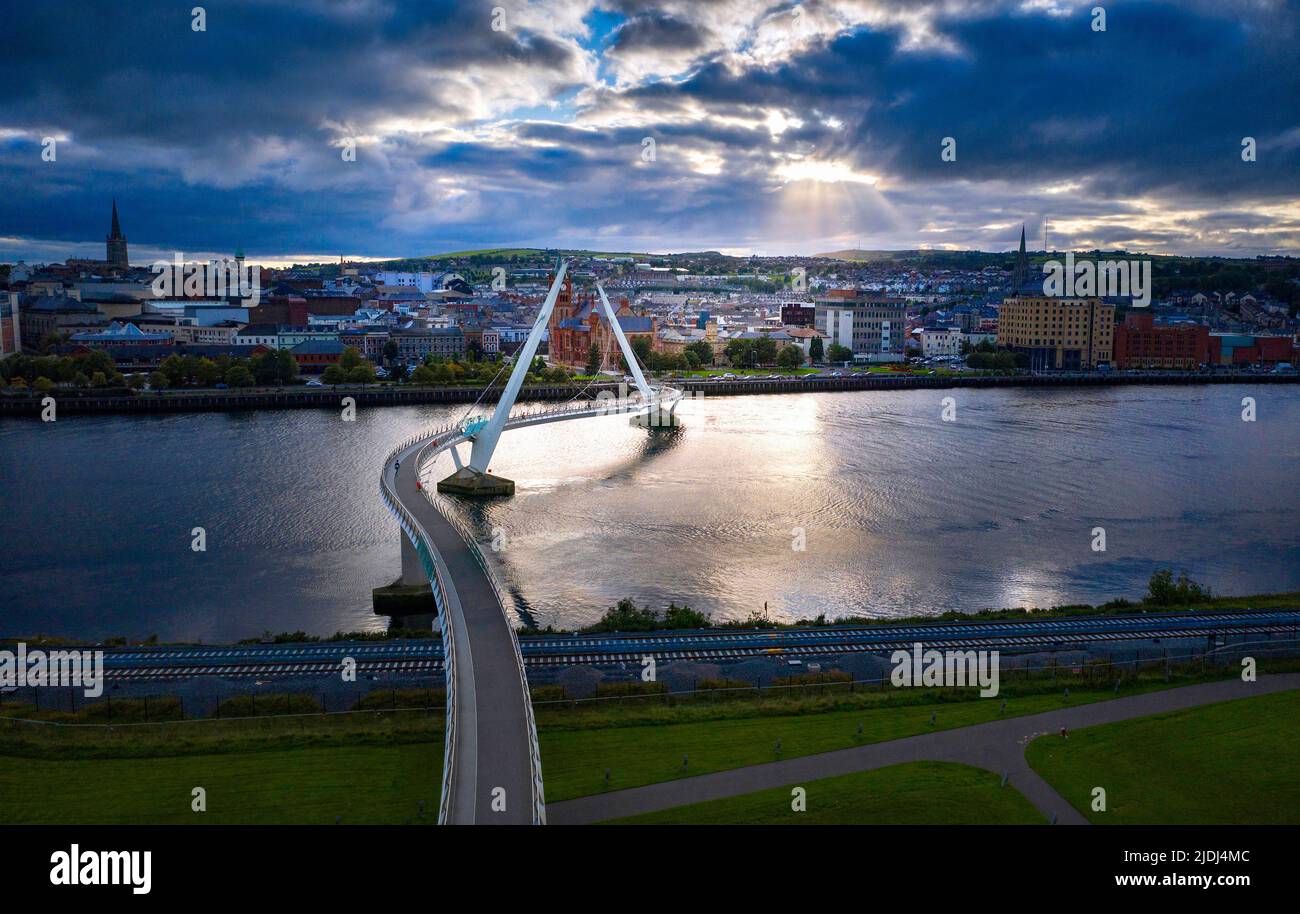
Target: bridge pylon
[473,478]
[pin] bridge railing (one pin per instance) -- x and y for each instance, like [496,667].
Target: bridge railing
[428,452]
[438,440]
[435,572]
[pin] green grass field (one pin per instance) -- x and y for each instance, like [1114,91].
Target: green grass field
[574,758]
[918,793]
[366,768]
[1229,763]
[377,767]
[362,785]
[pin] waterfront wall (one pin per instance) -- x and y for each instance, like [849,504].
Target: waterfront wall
[84,401]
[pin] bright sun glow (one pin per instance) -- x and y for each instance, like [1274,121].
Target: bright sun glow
[822,172]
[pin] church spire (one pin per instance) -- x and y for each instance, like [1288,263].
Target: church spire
[1021,271]
[115,253]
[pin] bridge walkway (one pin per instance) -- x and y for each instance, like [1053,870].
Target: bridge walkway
[494,739]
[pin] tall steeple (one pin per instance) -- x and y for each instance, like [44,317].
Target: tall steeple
[1021,271]
[116,244]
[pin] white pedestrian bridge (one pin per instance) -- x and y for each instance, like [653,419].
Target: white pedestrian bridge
[492,771]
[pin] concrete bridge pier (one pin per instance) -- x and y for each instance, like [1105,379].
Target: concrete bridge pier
[408,601]
[412,570]
[657,418]
[469,481]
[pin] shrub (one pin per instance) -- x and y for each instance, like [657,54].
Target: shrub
[1163,590]
[268,705]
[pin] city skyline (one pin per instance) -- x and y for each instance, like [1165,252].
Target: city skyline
[773,129]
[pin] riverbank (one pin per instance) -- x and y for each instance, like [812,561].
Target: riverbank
[303,765]
[13,403]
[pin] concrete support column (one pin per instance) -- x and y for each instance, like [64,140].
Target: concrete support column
[412,568]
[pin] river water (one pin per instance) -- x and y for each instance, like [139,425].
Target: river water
[863,503]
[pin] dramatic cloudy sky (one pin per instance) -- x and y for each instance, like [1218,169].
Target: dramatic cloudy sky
[777,127]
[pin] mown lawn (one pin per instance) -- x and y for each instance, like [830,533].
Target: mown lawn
[574,760]
[1229,763]
[359,785]
[377,768]
[918,793]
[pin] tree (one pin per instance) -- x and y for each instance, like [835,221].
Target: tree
[790,357]
[262,366]
[424,376]
[390,351]
[42,384]
[286,366]
[593,359]
[1163,590]
[641,346]
[275,367]
[703,351]
[334,374]
[173,369]
[206,372]
[676,617]
[626,617]
[361,374]
[740,353]
[764,350]
[815,352]
[839,353]
[351,358]
[239,376]
[158,380]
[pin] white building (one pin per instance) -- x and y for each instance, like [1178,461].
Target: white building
[873,328]
[939,341]
[423,282]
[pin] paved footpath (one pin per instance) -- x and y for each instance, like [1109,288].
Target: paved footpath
[493,737]
[998,746]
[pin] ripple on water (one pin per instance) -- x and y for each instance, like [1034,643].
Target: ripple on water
[900,512]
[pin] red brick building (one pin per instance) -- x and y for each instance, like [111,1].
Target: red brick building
[1141,343]
[576,323]
[1237,349]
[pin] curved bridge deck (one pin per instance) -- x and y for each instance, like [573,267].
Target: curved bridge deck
[492,771]
[493,733]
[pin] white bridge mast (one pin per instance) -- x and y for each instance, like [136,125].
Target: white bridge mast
[485,442]
[628,355]
[473,478]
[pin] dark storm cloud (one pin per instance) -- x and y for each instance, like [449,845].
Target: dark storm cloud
[656,30]
[1034,99]
[230,137]
[106,70]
